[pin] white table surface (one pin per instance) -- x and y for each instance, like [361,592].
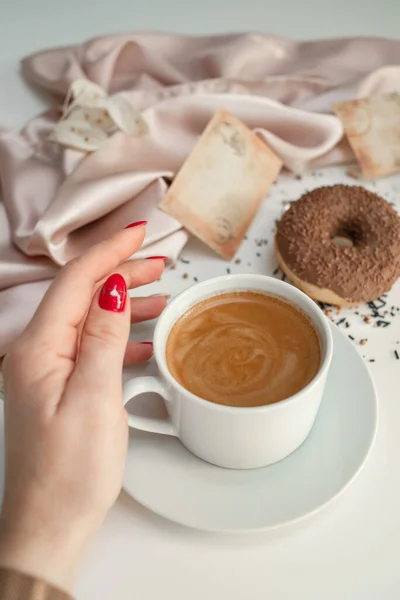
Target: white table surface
[352,549]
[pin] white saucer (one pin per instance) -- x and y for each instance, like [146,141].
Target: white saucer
[166,478]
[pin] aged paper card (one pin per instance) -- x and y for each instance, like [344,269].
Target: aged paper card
[219,188]
[372,126]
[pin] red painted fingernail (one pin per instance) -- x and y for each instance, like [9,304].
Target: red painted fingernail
[136,224]
[157,257]
[146,343]
[113,294]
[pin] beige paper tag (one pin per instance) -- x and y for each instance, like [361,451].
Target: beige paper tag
[372,126]
[221,185]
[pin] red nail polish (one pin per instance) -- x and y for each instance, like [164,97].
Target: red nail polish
[113,294]
[146,343]
[136,224]
[157,257]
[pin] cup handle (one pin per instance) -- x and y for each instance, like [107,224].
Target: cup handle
[142,385]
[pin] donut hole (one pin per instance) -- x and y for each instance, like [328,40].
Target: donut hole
[343,241]
[346,237]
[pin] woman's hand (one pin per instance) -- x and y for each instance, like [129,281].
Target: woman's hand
[66,427]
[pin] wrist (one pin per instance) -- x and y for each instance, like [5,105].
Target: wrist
[52,555]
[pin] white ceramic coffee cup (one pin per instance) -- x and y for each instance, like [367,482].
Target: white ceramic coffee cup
[237,438]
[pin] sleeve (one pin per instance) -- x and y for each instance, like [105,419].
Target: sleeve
[18,586]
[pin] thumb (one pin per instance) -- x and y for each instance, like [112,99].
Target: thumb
[105,335]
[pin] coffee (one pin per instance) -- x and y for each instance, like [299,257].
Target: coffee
[243,349]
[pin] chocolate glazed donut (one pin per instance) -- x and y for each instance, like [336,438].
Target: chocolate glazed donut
[340,245]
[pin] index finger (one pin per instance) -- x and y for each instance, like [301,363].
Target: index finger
[68,298]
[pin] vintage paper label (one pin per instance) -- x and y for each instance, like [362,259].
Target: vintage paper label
[372,126]
[219,188]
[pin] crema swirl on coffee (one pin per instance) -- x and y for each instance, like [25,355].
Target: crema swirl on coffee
[243,349]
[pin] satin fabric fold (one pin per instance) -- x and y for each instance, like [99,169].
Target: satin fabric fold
[56,203]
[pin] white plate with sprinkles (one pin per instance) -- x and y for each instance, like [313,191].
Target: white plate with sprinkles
[166,478]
